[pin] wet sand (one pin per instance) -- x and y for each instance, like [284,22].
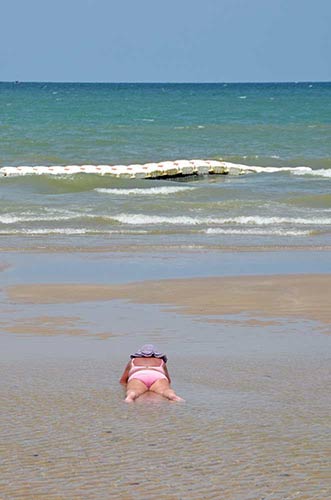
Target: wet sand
[298,296]
[248,353]
[257,430]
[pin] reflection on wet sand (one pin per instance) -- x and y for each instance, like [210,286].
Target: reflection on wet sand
[45,325]
[298,296]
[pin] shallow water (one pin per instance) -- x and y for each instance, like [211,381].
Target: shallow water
[255,422]
[108,267]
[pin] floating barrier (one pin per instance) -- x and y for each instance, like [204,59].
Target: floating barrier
[162,170]
[166,169]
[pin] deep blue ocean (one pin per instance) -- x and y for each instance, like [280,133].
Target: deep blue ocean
[265,125]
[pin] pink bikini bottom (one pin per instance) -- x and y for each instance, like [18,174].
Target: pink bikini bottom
[148,377]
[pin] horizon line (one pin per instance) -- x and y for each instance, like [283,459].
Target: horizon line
[168,82]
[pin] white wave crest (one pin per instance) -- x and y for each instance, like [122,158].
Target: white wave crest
[66,231]
[45,231]
[258,232]
[141,219]
[322,172]
[13,219]
[242,168]
[145,219]
[265,221]
[165,190]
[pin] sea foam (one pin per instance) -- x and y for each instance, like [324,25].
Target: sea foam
[165,190]
[142,219]
[13,219]
[67,231]
[323,172]
[258,232]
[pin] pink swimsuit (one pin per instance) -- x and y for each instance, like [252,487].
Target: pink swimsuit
[147,375]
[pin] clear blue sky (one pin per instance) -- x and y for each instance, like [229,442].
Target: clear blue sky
[165,41]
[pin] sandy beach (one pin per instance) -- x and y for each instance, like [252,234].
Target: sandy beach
[250,355]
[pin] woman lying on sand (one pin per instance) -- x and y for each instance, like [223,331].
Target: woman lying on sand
[147,371]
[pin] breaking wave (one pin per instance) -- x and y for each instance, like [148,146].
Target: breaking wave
[141,219]
[258,232]
[323,172]
[165,190]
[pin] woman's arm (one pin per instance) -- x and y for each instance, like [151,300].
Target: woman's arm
[125,376]
[166,372]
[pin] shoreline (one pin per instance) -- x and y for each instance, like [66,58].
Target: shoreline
[180,249]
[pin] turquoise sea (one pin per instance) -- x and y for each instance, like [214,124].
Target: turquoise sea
[265,125]
[248,351]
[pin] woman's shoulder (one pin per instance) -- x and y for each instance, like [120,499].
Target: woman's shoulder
[148,361]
